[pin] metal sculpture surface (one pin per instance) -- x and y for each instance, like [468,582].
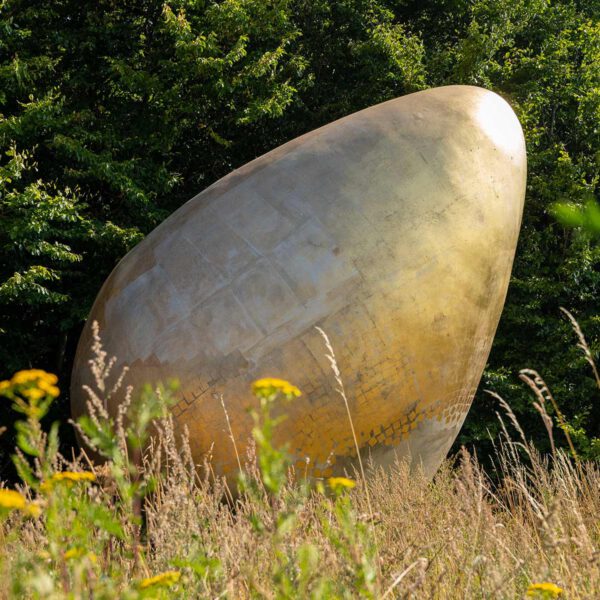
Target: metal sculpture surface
[393,229]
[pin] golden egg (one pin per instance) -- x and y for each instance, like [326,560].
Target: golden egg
[393,230]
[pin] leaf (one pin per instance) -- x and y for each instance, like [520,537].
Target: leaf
[568,214]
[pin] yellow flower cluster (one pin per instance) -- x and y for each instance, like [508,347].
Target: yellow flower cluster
[270,386]
[340,483]
[74,476]
[544,590]
[68,477]
[166,579]
[33,384]
[13,500]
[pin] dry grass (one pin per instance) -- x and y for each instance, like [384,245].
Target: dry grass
[395,535]
[455,537]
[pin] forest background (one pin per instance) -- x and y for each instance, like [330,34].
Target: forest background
[113,113]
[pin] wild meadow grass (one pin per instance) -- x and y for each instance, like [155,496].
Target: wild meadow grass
[148,523]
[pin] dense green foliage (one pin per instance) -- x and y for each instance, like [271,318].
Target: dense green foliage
[112,114]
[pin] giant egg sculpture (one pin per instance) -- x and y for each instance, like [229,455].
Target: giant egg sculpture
[393,229]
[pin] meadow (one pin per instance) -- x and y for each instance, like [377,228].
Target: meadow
[149,523]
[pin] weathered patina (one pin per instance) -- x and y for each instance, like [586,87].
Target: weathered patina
[392,229]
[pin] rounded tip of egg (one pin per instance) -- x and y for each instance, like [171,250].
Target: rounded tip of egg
[496,119]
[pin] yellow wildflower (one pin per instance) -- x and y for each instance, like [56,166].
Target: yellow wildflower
[68,477]
[12,500]
[544,590]
[339,483]
[21,377]
[74,476]
[33,384]
[166,579]
[49,388]
[79,553]
[73,553]
[50,378]
[269,386]
[33,393]
[33,509]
